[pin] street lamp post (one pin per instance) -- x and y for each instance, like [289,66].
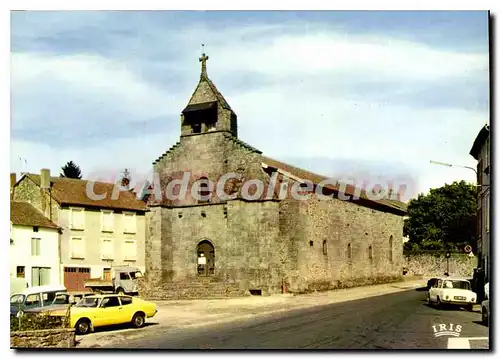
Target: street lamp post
[450,165]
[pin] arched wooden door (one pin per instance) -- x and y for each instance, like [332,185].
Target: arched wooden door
[205,258]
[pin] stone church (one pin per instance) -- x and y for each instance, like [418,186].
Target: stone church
[211,243]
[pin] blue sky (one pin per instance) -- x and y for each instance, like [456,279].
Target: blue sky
[360,94]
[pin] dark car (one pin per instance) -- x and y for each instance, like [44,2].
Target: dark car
[34,297]
[61,301]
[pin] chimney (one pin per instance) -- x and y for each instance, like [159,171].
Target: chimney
[45,178]
[13,179]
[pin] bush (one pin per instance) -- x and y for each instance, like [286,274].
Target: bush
[38,321]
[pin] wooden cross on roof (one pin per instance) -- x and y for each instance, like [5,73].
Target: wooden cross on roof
[203,60]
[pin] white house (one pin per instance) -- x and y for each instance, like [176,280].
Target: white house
[34,251]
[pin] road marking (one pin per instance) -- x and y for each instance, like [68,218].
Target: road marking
[462,343]
[458,343]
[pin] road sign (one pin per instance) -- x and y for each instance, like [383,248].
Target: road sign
[468,249]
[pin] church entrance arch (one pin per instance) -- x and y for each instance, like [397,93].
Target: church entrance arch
[205,253]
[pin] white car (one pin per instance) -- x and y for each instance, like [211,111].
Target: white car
[455,291]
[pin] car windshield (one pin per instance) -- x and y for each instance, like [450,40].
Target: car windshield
[88,303]
[134,275]
[458,284]
[61,299]
[17,298]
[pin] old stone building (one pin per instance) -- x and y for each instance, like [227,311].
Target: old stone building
[240,240]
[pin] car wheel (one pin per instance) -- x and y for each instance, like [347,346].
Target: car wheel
[82,327]
[120,291]
[438,303]
[138,320]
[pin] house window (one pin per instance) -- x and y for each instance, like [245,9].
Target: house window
[325,249]
[130,250]
[77,219]
[349,252]
[370,253]
[77,248]
[40,276]
[107,221]
[106,248]
[35,246]
[20,272]
[129,222]
[35,229]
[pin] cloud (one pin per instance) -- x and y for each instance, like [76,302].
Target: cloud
[106,89]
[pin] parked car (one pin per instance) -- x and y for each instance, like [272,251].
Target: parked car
[124,281]
[108,309]
[454,291]
[485,305]
[61,301]
[34,297]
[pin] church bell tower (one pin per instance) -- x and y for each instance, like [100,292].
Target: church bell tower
[207,110]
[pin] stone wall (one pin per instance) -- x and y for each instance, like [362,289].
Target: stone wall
[28,191]
[320,232]
[47,338]
[429,265]
[245,236]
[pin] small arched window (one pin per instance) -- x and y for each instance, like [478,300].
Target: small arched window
[349,251]
[325,248]
[370,253]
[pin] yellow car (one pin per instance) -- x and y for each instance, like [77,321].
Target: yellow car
[101,310]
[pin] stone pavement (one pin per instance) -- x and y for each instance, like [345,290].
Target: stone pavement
[204,312]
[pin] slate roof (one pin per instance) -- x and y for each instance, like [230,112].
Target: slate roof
[479,141]
[69,191]
[24,214]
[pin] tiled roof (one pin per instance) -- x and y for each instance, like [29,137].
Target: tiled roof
[71,191]
[24,214]
[316,179]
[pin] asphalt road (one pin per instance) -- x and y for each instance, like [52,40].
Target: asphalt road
[394,321]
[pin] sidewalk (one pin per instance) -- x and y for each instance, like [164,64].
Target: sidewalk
[204,312]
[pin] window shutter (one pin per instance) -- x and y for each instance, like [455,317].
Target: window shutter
[130,250]
[129,223]
[77,217]
[107,248]
[77,248]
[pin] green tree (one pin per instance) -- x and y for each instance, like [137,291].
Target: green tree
[71,170]
[443,219]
